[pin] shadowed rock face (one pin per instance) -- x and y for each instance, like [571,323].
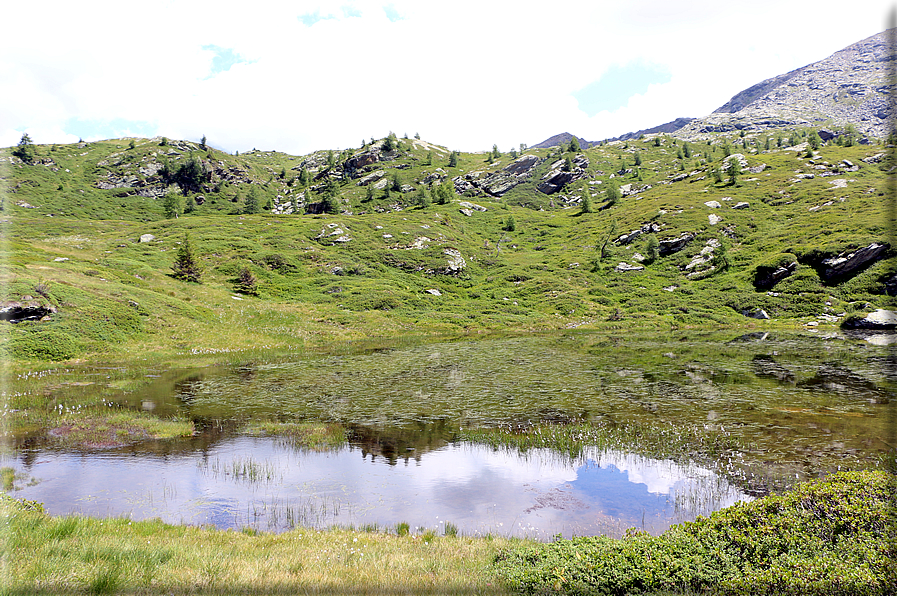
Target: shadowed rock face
[15,312]
[766,278]
[500,182]
[846,265]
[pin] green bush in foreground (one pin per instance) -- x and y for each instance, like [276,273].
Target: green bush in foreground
[829,536]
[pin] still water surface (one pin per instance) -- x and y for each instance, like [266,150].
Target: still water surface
[796,406]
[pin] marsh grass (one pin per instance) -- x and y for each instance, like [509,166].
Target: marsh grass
[317,436]
[116,555]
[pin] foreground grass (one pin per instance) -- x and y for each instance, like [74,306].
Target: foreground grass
[830,536]
[47,555]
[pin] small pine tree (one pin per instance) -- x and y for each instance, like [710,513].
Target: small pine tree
[171,205]
[444,192]
[453,159]
[429,161]
[652,249]
[657,141]
[186,267]
[131,144]
[686,150]
[638,158]
[733,170]
[587,203]
[251,203]
[331,201]
[396,182]
[202,143]
[510,224]
[25,149]
[246,282]
[568,164]
[612,194]
[495,152]
[574,145]
[423,199]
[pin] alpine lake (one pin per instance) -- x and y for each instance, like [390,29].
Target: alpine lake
[576,433]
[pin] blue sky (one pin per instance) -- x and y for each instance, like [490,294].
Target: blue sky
[304,75]
[617,85]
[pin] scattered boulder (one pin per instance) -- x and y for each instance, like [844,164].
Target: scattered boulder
[434,291]
[755,313]
[372,177]
[147,238]
[455,262]
[627,267]
[879,320]
[741,205]
[714,219]
[472,206]
[333,232]
[874,158]
[674,245]
[767,277]
[647,228]
[713,204]
[847,265]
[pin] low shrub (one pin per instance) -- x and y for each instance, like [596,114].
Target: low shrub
[828,536]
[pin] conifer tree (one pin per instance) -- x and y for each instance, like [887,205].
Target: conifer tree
[246,282]
[186,267]
[25,149]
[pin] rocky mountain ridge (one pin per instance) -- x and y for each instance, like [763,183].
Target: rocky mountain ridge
[849,88]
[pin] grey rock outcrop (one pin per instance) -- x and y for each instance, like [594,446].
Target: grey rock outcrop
[558,177]
[879,320]
[674,245]
[847,265]
[498,183]
[766,278]
[848,87]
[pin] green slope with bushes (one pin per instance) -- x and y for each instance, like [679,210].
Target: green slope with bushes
[293,250]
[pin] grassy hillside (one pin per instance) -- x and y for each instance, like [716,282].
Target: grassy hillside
[394,260]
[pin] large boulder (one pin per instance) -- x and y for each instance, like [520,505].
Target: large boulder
[766,278]
[557,177]
[847,265]
[674,245]
[354,164]
[500,182]
[879,319]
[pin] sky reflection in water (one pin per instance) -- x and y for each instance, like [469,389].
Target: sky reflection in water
[269,485]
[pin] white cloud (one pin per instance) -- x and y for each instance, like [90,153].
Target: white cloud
[465,74]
